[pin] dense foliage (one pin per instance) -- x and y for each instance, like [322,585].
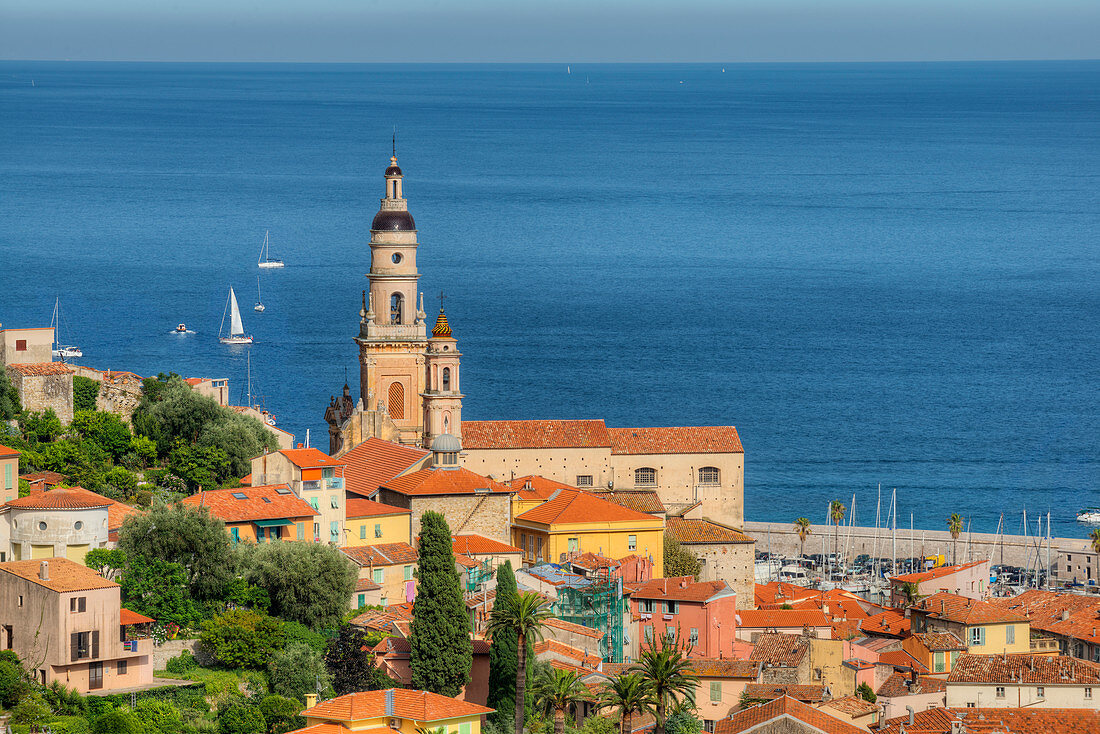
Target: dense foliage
[306,582]
[503,656]
[350,661]
[441,653]
[158,589]
[297,670]
[9,398]
[85,392]
[241,638]
[678,560]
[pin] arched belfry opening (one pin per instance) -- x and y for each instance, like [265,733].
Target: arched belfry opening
[397,308]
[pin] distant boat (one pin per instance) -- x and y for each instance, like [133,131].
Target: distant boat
[259,301]
[265,260]
[61,351]
[568,70]
[236,333]
[1089,516]
[181,328]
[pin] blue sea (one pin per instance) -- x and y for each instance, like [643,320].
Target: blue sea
[880,273]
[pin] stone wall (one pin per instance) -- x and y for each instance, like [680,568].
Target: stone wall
[172,648]
[729,562]
[41,392]
[484,514]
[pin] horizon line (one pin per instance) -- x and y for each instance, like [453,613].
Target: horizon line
[552,63]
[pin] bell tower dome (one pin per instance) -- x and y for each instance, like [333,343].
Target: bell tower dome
[443,398]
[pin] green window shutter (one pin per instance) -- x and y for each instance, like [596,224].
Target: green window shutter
[363,531]
[408,573]
[335,499]
[313,503]
[379,575]
[464,728]
[715,691]
[362,600]
[1010,634]
[301,531]
[7,476]
[938,665]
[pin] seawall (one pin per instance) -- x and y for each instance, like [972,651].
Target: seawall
[1015,550]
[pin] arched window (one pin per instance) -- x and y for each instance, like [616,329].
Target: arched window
[709,475]
[397,306]
[446,379]
[645,477]
[394,189]
[397,401]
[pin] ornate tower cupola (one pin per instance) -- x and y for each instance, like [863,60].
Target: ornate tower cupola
[443,398]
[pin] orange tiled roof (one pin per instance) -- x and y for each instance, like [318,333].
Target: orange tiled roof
[338,729]
[715,668]
[64,575]
[62,498]
[575,506]
[265,502]
[678,440]
[902,659]
[851,705]
[940,641]
[49,478]
[592,561]
[362,507]
[466,561]
[375,462]
[644,500]
[397,702]
[536,434]
[1046,610]
[382,554]
[889,622]
[310,458]
[444,482]
[692,532]
[577,629]
[579,657]
[798,692]
[955,608]
[366,585]
[534,487]
[7,453]
[934,573]
[783,618]
[117,512]
[997,721]
[898,685]
[780,592]
[777,648]
[126,616]
[479,545]
[42,369]
[681,588]
[1024,669]
[246,480]
[378,619]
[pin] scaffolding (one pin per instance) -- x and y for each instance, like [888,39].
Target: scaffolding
[598,604]
[479,575]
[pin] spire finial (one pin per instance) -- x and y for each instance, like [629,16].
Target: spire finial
[441,298]
[395,141]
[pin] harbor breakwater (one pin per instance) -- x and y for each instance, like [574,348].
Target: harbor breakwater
[1014,550]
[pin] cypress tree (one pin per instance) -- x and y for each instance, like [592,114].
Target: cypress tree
[503,656]
[441,654]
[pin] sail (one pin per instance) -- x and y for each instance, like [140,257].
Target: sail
[263,249]
[236,328]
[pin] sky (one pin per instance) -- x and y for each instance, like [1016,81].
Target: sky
[559,31]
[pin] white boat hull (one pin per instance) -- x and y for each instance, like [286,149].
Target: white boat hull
[68,352]
[259,307]
[235,340]
[272,264]
[1089,518]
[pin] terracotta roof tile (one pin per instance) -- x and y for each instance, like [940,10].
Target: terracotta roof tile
[246,480]
[362,507]
[7,452]
[248,504]
[715,668]
[579,657]
[366,585]
[779,649]
[577,629]
[1046,610]
[398,702]
[851,705]
[643,500]
[782,618]
[337,729]
[678,440]
[311,458]
[897,685]
[681,588]
[902,659]
[691,532]
[381,554]
[61,498]
[402,645]
[64,575]
[548,434]
[934,573]
[592,561]
[42,369]
[1024,669]
[375,462]
[575,506]
[126,616]
[955,608]
[889,622]
[779,592]
[117,512]
[479,545]
[48,478]
[997,721]
[805,692]
[444,482]
[534,487]
[940,641]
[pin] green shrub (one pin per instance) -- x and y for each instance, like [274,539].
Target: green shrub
[70,725]
[281,714]
[182,663]
[159,717]
[85,392]
[31,710]
[240,638]
[298,632]
[239,718]
[12,684]
[117,721]
[63,700]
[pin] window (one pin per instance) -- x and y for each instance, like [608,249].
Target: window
[538,553]
[584,480]
[377,530]
[301,531]
[334,531]
[573,545]
[446,379]
[316,532]
[382,601]
[1010,634]
[645,477]
[408,573]
[313,503]
[977,635]
[95,675]
[78,604]
[240,496]
[939,664]
[649,633]
[671,607]
[379,575]
[715,691]
[670,634]
[970,704]
[709,475]
[693,637]
[397,400]
[464,728]
[397,304]
[235,535]
[20,600]
[84,644]
[41,526]
[363,531]
[20,345]
[328,473]
[7,477]
[335,502]
[120,668]
[1040,692]
[632,542]
[1000,691]
[1088,694]
[646,606]
[362,601]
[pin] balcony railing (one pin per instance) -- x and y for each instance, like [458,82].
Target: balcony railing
[336,483]
[311,485]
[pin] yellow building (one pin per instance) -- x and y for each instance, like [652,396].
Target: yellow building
[371,523]
[572,521]
[394,711]
[531,491]
[9,474]
[983,627]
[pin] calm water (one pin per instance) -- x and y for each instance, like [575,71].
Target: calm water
[878,273]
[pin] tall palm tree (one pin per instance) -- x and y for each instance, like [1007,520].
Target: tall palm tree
[1094,537]
[836,515]
[802,528]
[556,691]
[667,672]
[629,694]
[955,527]
[524,616]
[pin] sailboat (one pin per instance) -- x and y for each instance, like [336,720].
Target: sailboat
[259,301]
[265,260]
[236,328]
[60,350]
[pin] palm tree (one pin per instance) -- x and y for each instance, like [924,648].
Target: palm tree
[802,528]
[524,616]
[556,691]
[955,527]
[911,590]
[668,676]
[629,694]
[836,515]
[1094,537]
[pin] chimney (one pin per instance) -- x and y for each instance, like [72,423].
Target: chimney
[1065,614]
[301,446]
[44,570]
[311,700]
[912,714]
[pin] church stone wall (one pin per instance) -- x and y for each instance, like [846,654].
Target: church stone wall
[484,514]
[40,392]
[561,465]
[729,562]
[677,481]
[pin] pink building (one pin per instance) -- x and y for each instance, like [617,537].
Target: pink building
[702,612]
[967,579]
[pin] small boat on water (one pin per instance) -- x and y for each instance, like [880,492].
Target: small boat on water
[265,260]
[181,328]
[1089,516]
[61,351]
[236,333]
[259,301]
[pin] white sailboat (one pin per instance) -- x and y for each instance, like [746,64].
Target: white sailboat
[236,333]
[259,301]
[61,351]
[265,260]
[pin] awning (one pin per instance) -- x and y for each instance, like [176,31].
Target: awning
[272,523]
[125,617]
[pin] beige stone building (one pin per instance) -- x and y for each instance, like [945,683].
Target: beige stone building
[726,554]
[315,477]
[1023,681]
[26,346]
[119,392]
[216,388]
[44,385]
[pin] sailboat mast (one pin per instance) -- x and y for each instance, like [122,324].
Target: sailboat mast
[249,378]
[894,533]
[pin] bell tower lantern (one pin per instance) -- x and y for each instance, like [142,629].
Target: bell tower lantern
[443,398]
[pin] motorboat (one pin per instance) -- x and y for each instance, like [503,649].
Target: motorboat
[1089,516]
[181,328]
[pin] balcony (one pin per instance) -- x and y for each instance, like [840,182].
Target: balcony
[336,483]
[311,485]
